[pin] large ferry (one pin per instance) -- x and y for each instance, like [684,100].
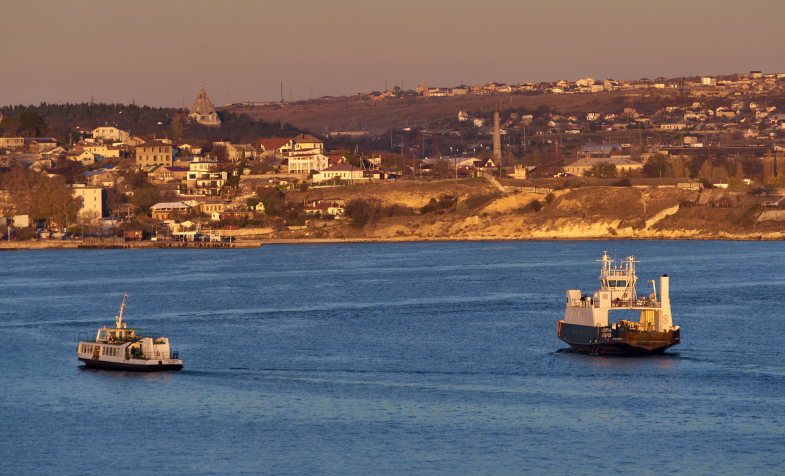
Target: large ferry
[585,325]
[121,348]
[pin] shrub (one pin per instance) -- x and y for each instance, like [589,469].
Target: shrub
[477,201]
[364,212]
[445,202]
[535,205]
[625,182]
[532,207]
[549,198]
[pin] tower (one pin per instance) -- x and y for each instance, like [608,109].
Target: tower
[497,141]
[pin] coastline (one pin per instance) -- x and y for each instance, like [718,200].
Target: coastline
[245,244]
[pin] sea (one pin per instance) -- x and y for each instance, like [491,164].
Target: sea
[389,359]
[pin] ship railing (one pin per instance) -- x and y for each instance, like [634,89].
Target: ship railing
[173,354]
[635,303]
[586,302]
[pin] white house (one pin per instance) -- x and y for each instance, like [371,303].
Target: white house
[581,166]
[304,162]
[110,133]
[341,171]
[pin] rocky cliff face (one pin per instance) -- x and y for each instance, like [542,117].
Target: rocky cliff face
[584,213]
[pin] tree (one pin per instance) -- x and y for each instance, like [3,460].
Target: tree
[656,166]
[146,197]
[706,171]
[677,167]
[177,127]
[220,153]
[271,198]
[53,200]
[602,170]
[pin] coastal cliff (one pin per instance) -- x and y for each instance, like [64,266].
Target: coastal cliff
[593,212]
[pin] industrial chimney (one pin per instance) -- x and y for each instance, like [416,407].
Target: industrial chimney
[497,141]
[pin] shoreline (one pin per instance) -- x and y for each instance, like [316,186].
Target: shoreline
[246,244]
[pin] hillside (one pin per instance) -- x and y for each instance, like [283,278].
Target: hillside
[475,210]
[379,116]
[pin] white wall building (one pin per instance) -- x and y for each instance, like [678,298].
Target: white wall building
[303,163]
[341,171]
[92,201]
[110,133]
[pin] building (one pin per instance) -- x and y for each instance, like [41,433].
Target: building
[163,211]
[305,142]
[92,201]
[237,151]
[344,172]
[203,111]
[212,205]
[11,142]
[40,144]
[581,166]
[675,126]
[153,153]
[204,178]
[100,178]
[83,156]
[303,163]
[275,145]
[100,151]
[708,81]
[110,133]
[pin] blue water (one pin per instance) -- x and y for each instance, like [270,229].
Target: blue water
[422,358]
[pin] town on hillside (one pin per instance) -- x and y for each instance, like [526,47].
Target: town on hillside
[191,174]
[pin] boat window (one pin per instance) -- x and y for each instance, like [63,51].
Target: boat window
[621,284]
[612,283]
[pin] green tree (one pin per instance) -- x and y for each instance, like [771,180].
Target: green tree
[706,171]
[146,197]
[602,170]
[656,166]
[177,127]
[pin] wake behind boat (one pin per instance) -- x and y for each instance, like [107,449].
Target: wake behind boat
[585,325]
[121,348]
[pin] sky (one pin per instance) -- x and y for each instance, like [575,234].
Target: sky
[157,52]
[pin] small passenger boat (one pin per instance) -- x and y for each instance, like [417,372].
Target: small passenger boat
[585,325]
[121,348]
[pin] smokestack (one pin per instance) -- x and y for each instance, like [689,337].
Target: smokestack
[497,141]
[664,318]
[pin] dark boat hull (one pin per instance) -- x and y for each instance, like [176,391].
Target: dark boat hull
[99,364]
[609,341]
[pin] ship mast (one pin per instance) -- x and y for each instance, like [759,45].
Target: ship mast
[119,319]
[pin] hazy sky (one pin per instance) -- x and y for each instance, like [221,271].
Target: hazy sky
[156,51]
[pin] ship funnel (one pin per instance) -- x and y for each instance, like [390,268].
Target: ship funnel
[664,290]
[664,319]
